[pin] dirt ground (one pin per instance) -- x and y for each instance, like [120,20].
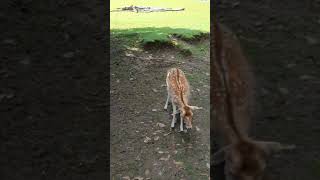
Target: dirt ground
[282,41]
[53,90]
[138,94]
[53,83]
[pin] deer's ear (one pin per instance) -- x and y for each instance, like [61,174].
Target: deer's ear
[195,107]
[219,156]
[271,147]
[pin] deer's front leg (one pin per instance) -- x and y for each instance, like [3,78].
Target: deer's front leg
[181,123]
[174,109]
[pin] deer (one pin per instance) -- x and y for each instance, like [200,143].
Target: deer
[231,101]
[178,90]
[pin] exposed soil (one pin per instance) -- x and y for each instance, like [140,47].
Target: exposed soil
[53,90]
[282,41]
[138,94]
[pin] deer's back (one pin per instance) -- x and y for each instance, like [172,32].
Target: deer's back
[240,83]
[177,84]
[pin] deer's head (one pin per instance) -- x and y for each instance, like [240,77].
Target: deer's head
[187,115]
[246,160]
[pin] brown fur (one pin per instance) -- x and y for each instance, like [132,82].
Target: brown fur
[179,90]
[232,99]
[240,87]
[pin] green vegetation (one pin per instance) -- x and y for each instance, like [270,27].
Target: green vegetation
[152,27]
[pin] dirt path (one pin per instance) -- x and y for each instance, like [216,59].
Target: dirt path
[282,39]
[138,94]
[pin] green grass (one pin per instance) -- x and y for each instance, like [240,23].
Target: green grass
[158,26]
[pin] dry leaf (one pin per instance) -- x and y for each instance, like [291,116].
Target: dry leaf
[156,138]
[161,125]
[178,163]
[147,139]
[165,159]
[138,178]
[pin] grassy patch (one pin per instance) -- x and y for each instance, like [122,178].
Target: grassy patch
[156,38]
[196,15]
[197,77]
[159,27]
[197,49]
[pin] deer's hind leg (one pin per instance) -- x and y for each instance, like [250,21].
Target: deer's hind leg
[167,102]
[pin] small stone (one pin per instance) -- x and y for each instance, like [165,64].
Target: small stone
[235,4]
[291,65]
[155,90]
[147,172]
[131,79]
[25,61]
[118,81]
[9,41]
[264,91]
[197,128]
[126,178]
[160,152]
[208,165]
[6,95]
[66,36]
[280,27]
[154,110]
[68,55]
[258,23]
[306,77]
[311,40]
[284,90]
